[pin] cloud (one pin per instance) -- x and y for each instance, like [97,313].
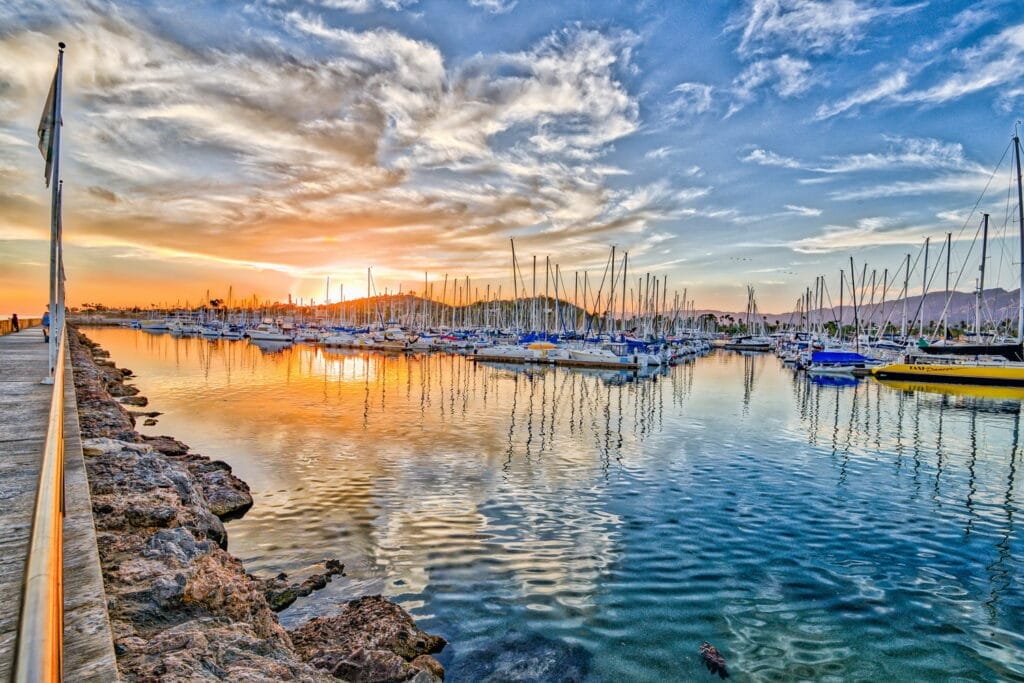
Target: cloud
[865,233]
[337,147]
[803,210]
[998,60]
[902,153]
[809,26]
[659,153]
[364,6]
[787,76]
[963,183]
[884,89]
[689,99]
[494,6]
[763,157]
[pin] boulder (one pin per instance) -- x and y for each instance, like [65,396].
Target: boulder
[372,640]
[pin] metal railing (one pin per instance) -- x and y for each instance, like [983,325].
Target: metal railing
[40,645]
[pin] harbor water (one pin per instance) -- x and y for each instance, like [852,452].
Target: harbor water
[574,525]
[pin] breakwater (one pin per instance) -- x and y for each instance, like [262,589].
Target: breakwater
[181,606]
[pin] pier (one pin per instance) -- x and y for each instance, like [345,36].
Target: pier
[24,414]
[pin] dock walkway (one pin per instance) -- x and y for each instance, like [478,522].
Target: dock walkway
[24,408]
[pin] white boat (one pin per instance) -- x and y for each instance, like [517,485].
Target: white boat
[268,332]
[341,340]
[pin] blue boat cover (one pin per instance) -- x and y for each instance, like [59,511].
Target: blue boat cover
[837,357]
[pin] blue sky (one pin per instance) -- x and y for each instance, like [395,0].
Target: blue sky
[269,144]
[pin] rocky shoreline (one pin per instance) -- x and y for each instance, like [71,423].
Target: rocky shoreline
[181,607]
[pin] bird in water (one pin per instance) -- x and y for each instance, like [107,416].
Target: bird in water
[713,659]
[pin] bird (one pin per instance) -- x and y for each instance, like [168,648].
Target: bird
[713,659]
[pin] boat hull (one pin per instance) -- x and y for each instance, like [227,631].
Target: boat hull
[953,374]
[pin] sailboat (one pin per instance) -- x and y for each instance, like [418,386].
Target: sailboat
[974,364]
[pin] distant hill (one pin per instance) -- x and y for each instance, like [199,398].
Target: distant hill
[998,305]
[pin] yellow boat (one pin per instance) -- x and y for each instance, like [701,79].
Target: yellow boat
[982,374]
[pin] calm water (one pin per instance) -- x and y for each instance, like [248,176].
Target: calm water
[577,522]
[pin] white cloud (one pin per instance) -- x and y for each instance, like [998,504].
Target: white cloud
[809,26]
[364,6]
[494,6]
[866,232]
[690,99]
[965,183]
[998,60]
[786,76]
[884,89]
[659,153]
[803,210]
[902,153]
[763,157]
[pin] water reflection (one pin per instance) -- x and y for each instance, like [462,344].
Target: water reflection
[612,522]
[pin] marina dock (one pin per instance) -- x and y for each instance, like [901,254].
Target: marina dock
[24,412]
[563,362]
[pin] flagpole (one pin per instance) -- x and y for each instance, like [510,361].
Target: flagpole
[56,316]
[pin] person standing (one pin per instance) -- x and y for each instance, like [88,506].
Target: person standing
[46,325]
[15,326]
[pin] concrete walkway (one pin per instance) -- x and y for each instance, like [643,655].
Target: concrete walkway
[24,407]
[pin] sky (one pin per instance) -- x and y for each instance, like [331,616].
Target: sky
[265,146]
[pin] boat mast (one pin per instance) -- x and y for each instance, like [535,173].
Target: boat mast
[949,252]
[853,295]
[981,277]
[924,284]
[906,291]
[885,287]
[611,299]
[625,263]
[1020,225]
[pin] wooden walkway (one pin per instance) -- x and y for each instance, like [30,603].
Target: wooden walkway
[24,405]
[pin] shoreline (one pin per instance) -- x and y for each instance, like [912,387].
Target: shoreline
[181,607]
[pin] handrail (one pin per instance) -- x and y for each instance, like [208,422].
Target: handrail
[40,646]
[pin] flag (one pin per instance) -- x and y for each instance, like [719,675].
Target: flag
[46,128]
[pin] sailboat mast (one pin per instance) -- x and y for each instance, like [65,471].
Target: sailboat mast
[611,298]
[906,291]
[949,252]
[924,284]
[625,265]
[1020,225]
[981,277]
[842,282]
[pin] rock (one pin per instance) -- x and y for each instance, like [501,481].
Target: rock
[430,665]
[373,640]
[165,444]
[145,413]
[105,445]
[135,401]
[518,656]
[281,592]
[148,422]
[117,388]
[227,496]
[180,607]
